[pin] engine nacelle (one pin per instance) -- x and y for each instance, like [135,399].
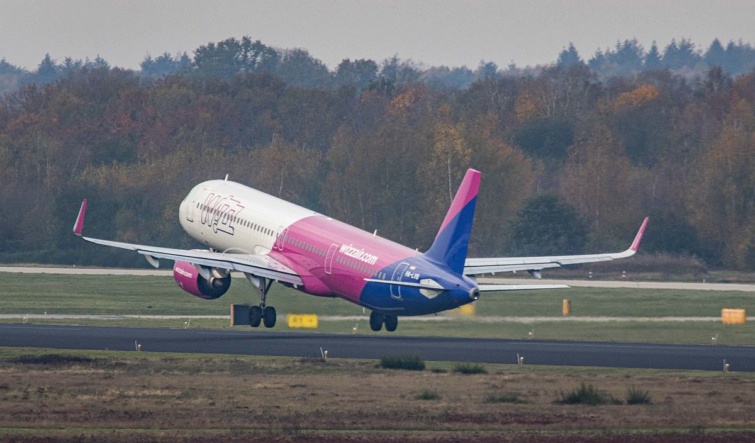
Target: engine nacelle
[189,279]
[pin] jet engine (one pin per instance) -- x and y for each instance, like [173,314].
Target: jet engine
[191,280]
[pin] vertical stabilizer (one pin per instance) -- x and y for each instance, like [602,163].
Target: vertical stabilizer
[450,245]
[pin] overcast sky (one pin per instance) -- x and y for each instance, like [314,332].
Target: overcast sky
[434,33]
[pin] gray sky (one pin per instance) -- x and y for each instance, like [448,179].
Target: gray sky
[451,33]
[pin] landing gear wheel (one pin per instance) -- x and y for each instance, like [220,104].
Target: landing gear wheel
[255,316]
[391,322]
[376,321]
[269,316]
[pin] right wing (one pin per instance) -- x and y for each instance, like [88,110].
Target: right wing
[477,266]
[254,264]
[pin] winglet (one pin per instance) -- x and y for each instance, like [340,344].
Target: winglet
[638,237]
[635,244]
[79,225]
[451,243]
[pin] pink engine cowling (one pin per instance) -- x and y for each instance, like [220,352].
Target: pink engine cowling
[188,278]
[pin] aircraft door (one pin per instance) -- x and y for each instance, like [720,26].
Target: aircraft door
[281,238]
[329,258]
[398,274]
[191,207]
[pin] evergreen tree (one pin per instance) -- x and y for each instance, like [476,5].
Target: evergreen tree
[7,68]
[715,55]
[569,57]
[47,71]
[652,59]
[486,70]
[676,57]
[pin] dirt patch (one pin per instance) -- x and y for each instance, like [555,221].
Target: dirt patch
[289,399]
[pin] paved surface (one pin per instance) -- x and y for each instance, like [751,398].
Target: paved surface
[504,281]
[365,318]
[261,342]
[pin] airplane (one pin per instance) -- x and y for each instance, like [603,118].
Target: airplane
[268,240]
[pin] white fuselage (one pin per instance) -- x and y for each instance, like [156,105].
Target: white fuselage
[230,217]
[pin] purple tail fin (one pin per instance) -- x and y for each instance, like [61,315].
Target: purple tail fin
[450,245]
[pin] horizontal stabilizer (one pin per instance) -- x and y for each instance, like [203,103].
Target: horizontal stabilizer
[433,286]
[498,288]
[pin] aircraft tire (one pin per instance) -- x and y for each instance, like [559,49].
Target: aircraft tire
[376,321]
[391,322]
[269,316]
[255,316]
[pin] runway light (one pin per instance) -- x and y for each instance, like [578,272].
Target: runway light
[137,346]
[355,329]
[726,366]
[323,354]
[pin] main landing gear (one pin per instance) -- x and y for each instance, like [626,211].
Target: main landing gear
[377,320]
[261,314]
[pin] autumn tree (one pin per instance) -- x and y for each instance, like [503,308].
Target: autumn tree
[599,181]
[357,73]
[508,177]
[298,68]
[722,200]
[446,164]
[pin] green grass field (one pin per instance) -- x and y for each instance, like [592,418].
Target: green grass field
[133,295]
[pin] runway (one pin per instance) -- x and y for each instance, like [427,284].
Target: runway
[260,342]
[745,287]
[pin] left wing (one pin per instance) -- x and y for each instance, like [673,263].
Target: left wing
[255,264]
[477,266]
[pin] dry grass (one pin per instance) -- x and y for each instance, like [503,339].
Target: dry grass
[279,399]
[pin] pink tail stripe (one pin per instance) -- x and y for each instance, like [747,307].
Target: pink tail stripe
[466,193]
[638,237]
[78,227]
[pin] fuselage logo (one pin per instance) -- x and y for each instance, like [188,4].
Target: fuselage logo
[221,213]
[358,254]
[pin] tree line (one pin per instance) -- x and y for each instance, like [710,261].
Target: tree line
[572,160]
[232,57]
